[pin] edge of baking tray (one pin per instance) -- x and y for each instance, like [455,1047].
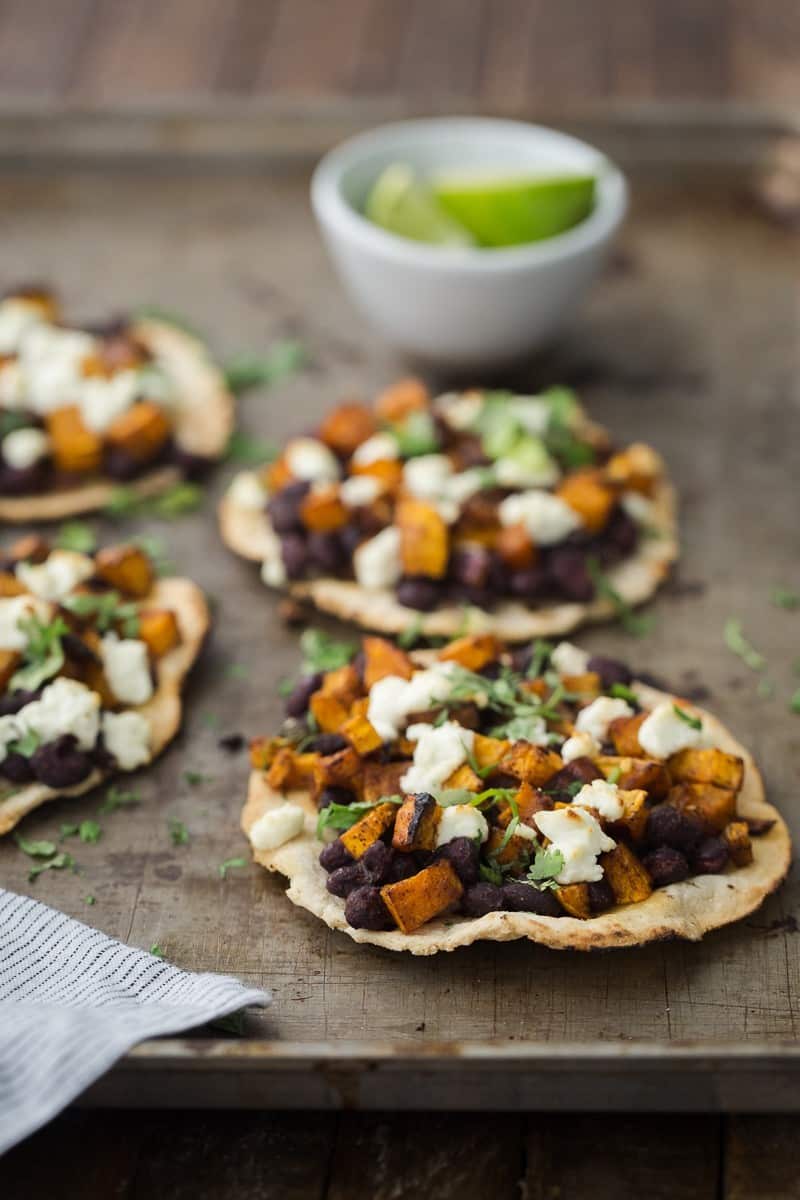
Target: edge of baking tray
[630,1076]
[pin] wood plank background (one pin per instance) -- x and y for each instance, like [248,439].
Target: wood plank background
[502,55]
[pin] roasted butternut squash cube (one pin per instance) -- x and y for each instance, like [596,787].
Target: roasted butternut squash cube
[281,769]
[346,427]
[158,629]
[488,751]
[329,712]
[141,432]
[637,468]
[531,764]
[338,770]
[382,658]
[383,779]
[388,472]
[574,899]
[417,821]
[126,568]
[361,734]
[588,685]
[10,585]
[634,817]
[648,774]
[278,475]
[9,663]
[263,751]
[515,547]
[531,800]
[322,510]
[464,777]
[473,652]
[424,548]
[589,496]
[344,683]
[736,836]
[415,901]
[75,448]
[404,397]
[713,806]
[623,732]
[626,875]
[372,826]
[707,766]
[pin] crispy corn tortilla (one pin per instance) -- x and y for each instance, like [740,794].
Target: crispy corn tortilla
[682,910]
[163,710]
[248,533]
[203,415]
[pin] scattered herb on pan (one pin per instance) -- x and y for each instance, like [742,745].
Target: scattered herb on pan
[765,688]
[117,798]
[59,862]
[229,865]
[90,832]
[156,950]
[247,370]
[195,778]
[78,536]
[68,831]
[237,671]
[324,653]
[178,832]
[632,622]
[687,718]
[738,644]
[90,900]
[248,450]
[35,849]
[785,598]
[794,703]
[43,654]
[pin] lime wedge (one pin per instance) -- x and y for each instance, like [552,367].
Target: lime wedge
[513,210]
[401,203]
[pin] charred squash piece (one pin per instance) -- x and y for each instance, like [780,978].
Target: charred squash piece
[344,683]
[713,806]
[9,663]
[531,764]
[415,901]
[574,899]
[531,800]
[404,397]
[417,821]
[141,432]
[707,766]
[383,779]
[10,585]
[634,817]
[382,658]
[322,511]
[372,826]
[515,548]
[158,629]
[472,652]
[338,770]
[637,468]
[627,877]
[278,475]
[74,447]
[361,734]
[588,685]
[588,496]
[263,751]
[488,751]
[736,836]
[126,568]
[329,712]
[346,427]
[464,777]
[423,539]
[651,776]
[623,732]
[289,770]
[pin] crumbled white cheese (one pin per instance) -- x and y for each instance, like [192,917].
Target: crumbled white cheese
[378,448]
[569,659]
[392,698]
[101,400]
[127,737]
[440,750]
[663,732]
[278,825]
[12,610]
[425,477]
[578,836]
[459,410]
[597,716]
[246,491]
[24,447]
[580,745]
[461,820]
[547,518]
[376,563]
[638,507]
[273,571]
[65,707]
[17,317]
[127,668]
[308,458]
[13,390]
[360,489]
[52,360]
[603,797]
[57,576]
[9,732]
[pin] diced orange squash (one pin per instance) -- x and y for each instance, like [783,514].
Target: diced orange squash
[714,806]
[634,817]
[30,548]
[417,821]
[346,427]
[636,468]
[361,734]
[388,471]
[424,546]
[515,547]
[531,800]
[329,712]
[278,475]
[322,510]
[382,658]
[10,585]
[126,568]
[531,764]
[474,651]
[588,685]
[648,774]
[383,779]
[623,733]
[9,663]
[415,901]
[158,629]
[404,397]
[488,751]
[141,432]
[74,447]
[707,766]
[588,496]
[464,777]
[344,683]
[737,838]
[263,751]
[281,769]
[574,899]
[372,826]
[627,877]
[339,769]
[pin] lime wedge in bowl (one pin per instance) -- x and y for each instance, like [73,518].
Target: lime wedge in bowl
[400,202]
[512,210]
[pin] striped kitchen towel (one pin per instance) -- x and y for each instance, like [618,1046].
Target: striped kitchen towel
[73,1001]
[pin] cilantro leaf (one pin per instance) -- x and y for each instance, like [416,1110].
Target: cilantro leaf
[58,863]
[416,435]
[344,816]
[786,598]
[633,623]
[248,450]
[539,658]
[117,798]
[178,832]
[195,778]
[90,832]
[41,849]
[229,864]
[621,691]
[90,900]
[738,644]
[156,950]
[105,609]
[324,653]
[490,873]
[27,745]
[687,718]
[78,536]
[68,831]
[43,655]
[248,370]
[179,499]
[546,865]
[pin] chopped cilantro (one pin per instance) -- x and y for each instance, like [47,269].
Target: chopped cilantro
[546,865]
[490,873]
[632,622]
[58,863]
[179,499]
[27,745]
[68,831]
[156,950]
[40,849]
[539,658]
[43,655]
[621,691]
[195,778]
[229,864]
[344,816]
[785,598]
[105,609]
[765,688]
[416,435]
[794,703]
[178,832]
[78,536]
[237,671]
[117,798]
[687,718]
[283,359]
[90,832]
[157,551]
[411,634]
[571,789]
[324,653]
[249,451]
[738,644]
[89,900]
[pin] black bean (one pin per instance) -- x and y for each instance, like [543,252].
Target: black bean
[758,826]
[376,862]
[610,670]
[19,481]
[76,649]
[294,554]
[477,597]
[328,743]
[61,764]
[192,466]
[622,532]
[359,665]
[462,854]
[335,855]
[365,909]
[327,552]
[417,591]
[12,702]
[402,866]
[120,465]
[482,898]
[351,538]
[344,880]
[530,584]
[470,565]
[334,795]
[666,865]
[710,857]
[601,896]
[17,768]
[668,826]
[284,508]
[301,693]
[568,573]
[522,657]
[522,897]
[580,770]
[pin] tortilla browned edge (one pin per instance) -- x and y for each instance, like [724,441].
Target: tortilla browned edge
[204,417]
[685,910]
[163,709]
[248,533]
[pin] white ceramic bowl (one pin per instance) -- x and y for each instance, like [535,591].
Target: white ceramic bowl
[452,306]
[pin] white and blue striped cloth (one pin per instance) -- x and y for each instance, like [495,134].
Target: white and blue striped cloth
[73,1001]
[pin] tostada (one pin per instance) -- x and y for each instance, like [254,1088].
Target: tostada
[518,506]
[425,801]
[137,402]
[94,650]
